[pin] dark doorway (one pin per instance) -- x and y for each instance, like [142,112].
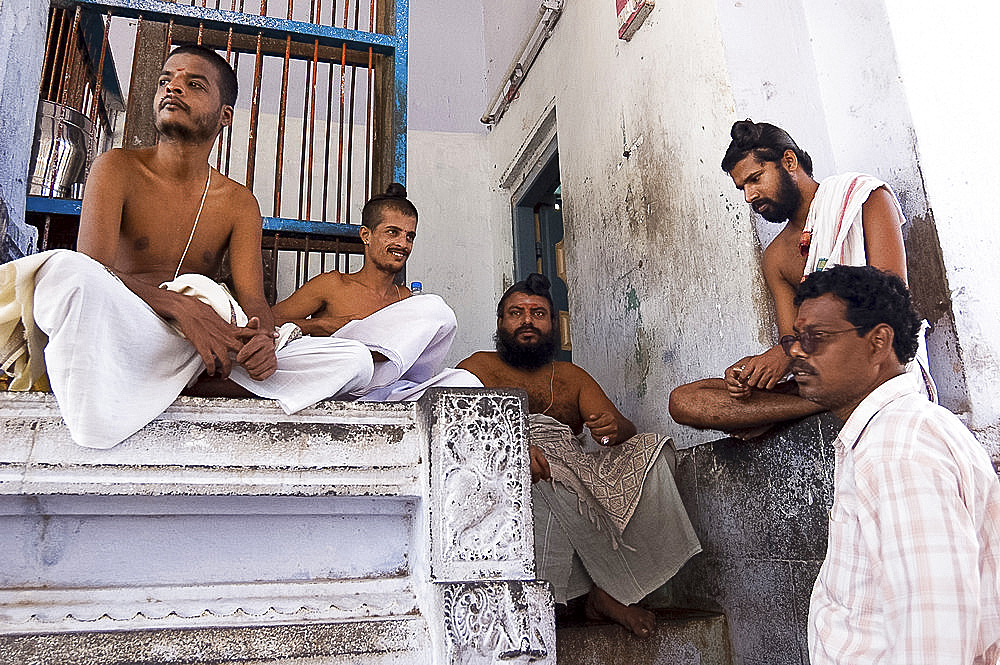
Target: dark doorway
[538,240]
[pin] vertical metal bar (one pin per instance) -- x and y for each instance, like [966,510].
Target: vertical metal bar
[201,27]
[62,50]
[274,266]
[350,122]
[340,132]
[312,115]
[340,121]
[254,115]
[100,73]
[70,58]
[326,137]
[302,150]
[282,106]
[229,134]
[229,129]
[369,130]
[329,118]
[45,232]
[305,262]
[55,82]
[48,64]
[400,59]
[298,269]
[170,38]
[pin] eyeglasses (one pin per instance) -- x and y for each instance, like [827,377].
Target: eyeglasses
[809,340]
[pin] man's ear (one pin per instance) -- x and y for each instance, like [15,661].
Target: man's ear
[226,116]
[880,338]
[365,233]
[790,161]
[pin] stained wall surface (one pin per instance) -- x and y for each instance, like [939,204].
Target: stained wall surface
[662,256]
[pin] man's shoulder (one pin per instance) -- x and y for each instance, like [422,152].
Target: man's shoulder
[236,193]
[481,360]
[120,160]
[570,370]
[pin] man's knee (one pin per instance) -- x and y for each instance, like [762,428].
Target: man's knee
[66,268]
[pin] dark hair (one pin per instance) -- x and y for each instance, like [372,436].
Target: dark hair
[393,199]
[534,284]
[872,297]
[228,86]
[767,142]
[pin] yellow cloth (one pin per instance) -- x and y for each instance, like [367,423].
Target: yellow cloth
[21,342]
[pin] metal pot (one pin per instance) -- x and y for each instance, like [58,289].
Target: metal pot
[59,156]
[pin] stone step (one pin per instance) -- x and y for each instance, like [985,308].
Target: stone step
[399,641]
[682,637]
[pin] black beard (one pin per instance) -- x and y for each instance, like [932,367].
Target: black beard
[786,202]
[525,356]
[204,130]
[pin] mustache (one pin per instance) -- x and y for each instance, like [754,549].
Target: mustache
[802,366]
[527,327]
[173,100]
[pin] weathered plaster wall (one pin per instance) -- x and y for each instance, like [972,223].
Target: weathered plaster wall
[448,175]
[947,61]
[661,252]
[447,180]
[22,40]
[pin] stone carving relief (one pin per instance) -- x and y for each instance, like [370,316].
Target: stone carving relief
[494,622]
[481,510]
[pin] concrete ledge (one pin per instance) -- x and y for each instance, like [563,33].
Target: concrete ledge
[218,446]
[400,532]
[404,640]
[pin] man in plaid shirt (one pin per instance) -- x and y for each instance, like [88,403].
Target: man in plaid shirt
[912,570]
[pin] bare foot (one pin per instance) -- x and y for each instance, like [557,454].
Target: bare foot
[602,606]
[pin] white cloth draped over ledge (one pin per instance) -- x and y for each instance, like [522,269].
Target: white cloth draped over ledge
[114,364]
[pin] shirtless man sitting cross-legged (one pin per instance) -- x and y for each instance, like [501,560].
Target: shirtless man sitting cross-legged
[408,336]
[847,219]
[134,316]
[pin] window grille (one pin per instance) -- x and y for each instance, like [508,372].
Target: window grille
[319,126]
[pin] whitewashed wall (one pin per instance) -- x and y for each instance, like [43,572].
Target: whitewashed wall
[947,57]
[662,255]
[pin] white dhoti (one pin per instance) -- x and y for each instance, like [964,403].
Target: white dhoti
[613,519]
[837,237]
[414,335]
[114,364]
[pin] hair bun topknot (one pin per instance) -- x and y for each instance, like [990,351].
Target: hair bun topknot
[745,133]
[537,283]
[395,190]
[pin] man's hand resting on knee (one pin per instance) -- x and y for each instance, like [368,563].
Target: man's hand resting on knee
[762,372]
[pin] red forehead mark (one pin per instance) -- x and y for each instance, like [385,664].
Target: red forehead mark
[181,69]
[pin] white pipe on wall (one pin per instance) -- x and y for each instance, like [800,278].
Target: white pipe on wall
[548,14]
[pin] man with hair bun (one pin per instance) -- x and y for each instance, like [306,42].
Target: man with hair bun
[847,219]
[407,337]
[912,568]
[609,525]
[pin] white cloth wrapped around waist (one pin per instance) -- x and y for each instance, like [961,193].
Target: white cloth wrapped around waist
[414,335]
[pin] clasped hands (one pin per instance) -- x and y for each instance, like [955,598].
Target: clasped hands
[220,343]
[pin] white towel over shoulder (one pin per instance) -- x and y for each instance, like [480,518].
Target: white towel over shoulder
[838,236]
